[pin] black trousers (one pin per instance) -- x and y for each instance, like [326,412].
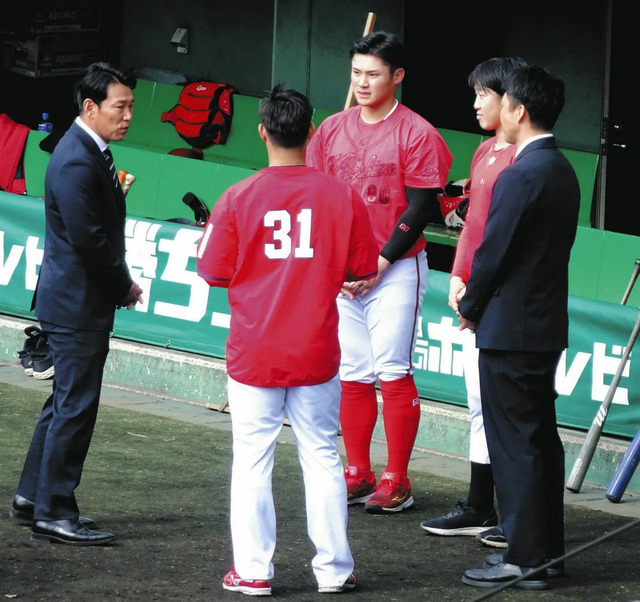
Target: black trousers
[63,432]
[527,457]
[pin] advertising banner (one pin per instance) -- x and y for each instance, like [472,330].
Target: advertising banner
[182,312]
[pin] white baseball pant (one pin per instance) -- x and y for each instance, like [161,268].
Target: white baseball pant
[478,451]
[257,416]
[378,330]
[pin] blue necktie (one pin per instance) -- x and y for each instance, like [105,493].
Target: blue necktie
[112,167]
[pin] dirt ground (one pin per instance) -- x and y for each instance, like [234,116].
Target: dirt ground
[162,486]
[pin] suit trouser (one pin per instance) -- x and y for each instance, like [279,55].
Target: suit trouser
[54,462]
[527,457]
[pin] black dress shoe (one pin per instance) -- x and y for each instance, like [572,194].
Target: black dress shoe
[554,571]
[68,532]
[502,573]
[22,510]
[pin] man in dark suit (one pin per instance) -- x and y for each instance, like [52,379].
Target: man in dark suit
[83,279]
[516,301]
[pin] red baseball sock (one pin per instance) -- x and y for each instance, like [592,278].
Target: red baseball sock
[401,415]
[358,415]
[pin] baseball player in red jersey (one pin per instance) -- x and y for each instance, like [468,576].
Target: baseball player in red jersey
[398,162]
[283,242]
[476,514]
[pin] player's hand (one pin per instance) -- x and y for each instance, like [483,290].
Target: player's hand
[350,289]
[465,324]
[364,286]
[359,288]
[132,297]
[456,291]
[128,181]
[135,294]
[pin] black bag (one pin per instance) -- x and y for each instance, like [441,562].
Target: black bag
[454,203]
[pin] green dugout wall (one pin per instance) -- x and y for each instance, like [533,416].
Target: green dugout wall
[181,311]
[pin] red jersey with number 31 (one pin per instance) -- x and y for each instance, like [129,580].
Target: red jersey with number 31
[283,242]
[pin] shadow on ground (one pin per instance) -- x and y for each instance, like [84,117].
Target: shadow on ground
[162,486]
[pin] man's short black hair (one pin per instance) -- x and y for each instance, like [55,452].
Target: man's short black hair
[541,93]
[97,79]
[492,73]
[286,115]
[386,46]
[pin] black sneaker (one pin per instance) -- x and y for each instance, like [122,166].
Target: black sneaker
[42,361]
[35,337]
[461,519]
[494,538]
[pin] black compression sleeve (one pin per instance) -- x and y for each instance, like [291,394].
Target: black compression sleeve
[423,203]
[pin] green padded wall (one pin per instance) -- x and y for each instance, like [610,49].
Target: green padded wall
[601,265]
[35,163]
[146,166]
[586,167]
[462,146]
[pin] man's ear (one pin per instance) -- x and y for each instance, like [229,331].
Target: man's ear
[89,107]
[262,132]
[312,130]
[398,75]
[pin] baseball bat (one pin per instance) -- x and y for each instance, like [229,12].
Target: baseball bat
[629,462]
[625,471]
[589,446]
[368,28]
[579,471]
[634,276]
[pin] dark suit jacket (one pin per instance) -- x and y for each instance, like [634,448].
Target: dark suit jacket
[518,289]
[83,273]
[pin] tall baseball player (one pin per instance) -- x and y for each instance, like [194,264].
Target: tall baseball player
[284,241]
[476,515]
[398,162]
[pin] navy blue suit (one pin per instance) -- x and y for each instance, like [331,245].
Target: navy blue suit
[517,296]
[82,279]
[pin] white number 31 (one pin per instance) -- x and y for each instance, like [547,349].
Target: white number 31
[281,222]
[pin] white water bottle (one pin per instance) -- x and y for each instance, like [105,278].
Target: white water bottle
[45,125]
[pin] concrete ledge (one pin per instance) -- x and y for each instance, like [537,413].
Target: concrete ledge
[191,377]
[201,380]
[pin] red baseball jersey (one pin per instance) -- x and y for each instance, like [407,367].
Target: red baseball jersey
[283,242]
[486,165]
[380,159]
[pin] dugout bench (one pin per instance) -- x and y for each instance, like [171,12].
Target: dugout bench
[462,146]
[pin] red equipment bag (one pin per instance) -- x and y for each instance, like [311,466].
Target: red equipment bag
[203,114]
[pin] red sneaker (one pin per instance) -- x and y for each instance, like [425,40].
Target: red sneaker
[361,484]
[252,587]
[392,495]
